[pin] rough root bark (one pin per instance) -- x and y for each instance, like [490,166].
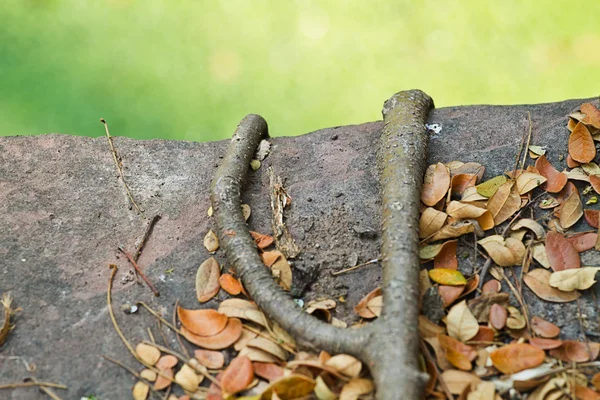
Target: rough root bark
[390,345]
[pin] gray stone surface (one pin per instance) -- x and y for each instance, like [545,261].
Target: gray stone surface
[63,213]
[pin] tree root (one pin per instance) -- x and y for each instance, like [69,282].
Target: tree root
[390,345]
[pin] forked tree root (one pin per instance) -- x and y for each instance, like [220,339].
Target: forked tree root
[390,345]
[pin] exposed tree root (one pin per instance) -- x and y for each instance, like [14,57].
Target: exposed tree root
[390,345]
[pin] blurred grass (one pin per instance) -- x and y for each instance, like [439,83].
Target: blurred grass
[192,69]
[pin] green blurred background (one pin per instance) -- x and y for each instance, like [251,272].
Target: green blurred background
[192,69]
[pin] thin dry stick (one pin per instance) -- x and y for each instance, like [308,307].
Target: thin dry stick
[518,297]
[120,168]
[518,158]
[30,384]
[429,357]
[147,233]
[528,141]
[139,271]
[343,271]
[46,390]
[158,316]
[177,334]
[151,336]
[131,371]
[162,333]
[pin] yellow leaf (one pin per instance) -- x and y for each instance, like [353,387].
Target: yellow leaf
[289,387]
[574,279]
[322,391]
[149,354]
[445,276]
[345,364]
[489,187]
[461,324]
[140,391]
[537,150]
[528,181]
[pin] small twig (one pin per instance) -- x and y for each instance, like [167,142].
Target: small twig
[177,334]
[30,384]
[46,390]
[132,372]
[343,271]
[518,297]
[116,157]
[518,158]
[113,272]
[429,357]
[528,141]
[147,233]
[161,332]
[139,271]
[158,316]
[151,336]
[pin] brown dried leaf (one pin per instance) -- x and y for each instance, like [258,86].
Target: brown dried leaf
[361,308]
[458,210]
[544,328]
[571,210]
[268,346]
[221,340]
[461,324]
[530,224]
[210,359]
[505,202]
[230,284]
[289,387]
[457,381]
[480,306]
[561,253]
[202,322]
[244,309]
[462,182]
[591,217]
[453,230]
[592,115]
[282,272]
[446,258]
[545,344]
[459,354]
[569,280]
[211,242]
[450,294]
[516,357]
[555,181]
[537,280]
[428,329]
[496,248]
[356,388]
[269,371]
[491,286]
[515,320]
[581,144]
[431,221]
[435,185]
[345,364]
[262,241]
[237,376]
[574,351]
[527,181]
[207,280]
[269,257]
[498,316]
[583,241]
[162,380]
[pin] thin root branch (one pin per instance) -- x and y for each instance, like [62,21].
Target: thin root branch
[139,271]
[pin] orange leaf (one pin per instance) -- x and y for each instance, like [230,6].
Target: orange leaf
[591,217]
[221,340]
[498,316]
[596,380]
[450,294]
[210,359]
[584,393]
[572,163]
[269,371]
[237,376]
[573,351]
[461,182]
[361,308]
[581,144]
[561,254]
[459,354]
[436,184]
[269,257]
[166,361]
[484,334]
[230,284]
[544,328]
[162,380]
[505,202]
[545,344]
[446,258]
[583,241]
[516,357]
[555,180]
[592,115]
[262,241]
[202,322]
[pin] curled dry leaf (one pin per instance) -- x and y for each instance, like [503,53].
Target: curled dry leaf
[436,184]
[246,211]
[458,210]
[446,258]
[595,182]
[569,280]
[269,371]
[461,324]
[538,281]
[230,284]
[187,378]
[516,357]
[211,242]
[480,306]
[258,355]
[163,380]
[322,391]
[207,280]
[282,272]
[209,358]
[268,346]
[375,305]
[431,221]
[516,320]
[561,253]
[581,144]
[470,194]
[577,174]
[262,241]
[140,390]
[555,181]
[517,247]
[583,241]
[244,309]
[355,388]
[361,308]
[289,387]
[544,328]
[428,329]
[450,294]
[461,182]
[448,277]
[459,354]
[325,304]
[457,381]
[571,210]
[270,257]
[490,187]
[345,364]
[496,248]
[202,322]
[538,251]
[148,353]
[491,286]
[527,181]
[530,224]
[498,316]
[453,230]
[221,340]
[591,168]
[505,202]
[237,376]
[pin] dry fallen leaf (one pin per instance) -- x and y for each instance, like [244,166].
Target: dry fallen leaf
[498,316]
[436,184]
[538,281]
[457,381]
[516,357]
[345,364]
[269,371]
[515,320]
[187,378]
[583,241]
[207,280]
[209,358]
[450,294]
[461,324]
[527,181]
[211,242]
[262,241]
[221,340]
[202,322]
[461,182]
[230,284]
[459,354]
[544,343]
[581,144]
[148,353]
[140,390]
[356,388]
[446,258]
[237,376]
[289,387]
[449,277]
[268,346]
[431,221]
[496,248]
[574,351]
[282,272]
[488,188]
[530,224]
[592,115]
[544,328]
[571,210]
[555,181]
[244,309]
[453,230]
[574,279]
[561,253]
[505,202]
[470,194]
[591,217]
